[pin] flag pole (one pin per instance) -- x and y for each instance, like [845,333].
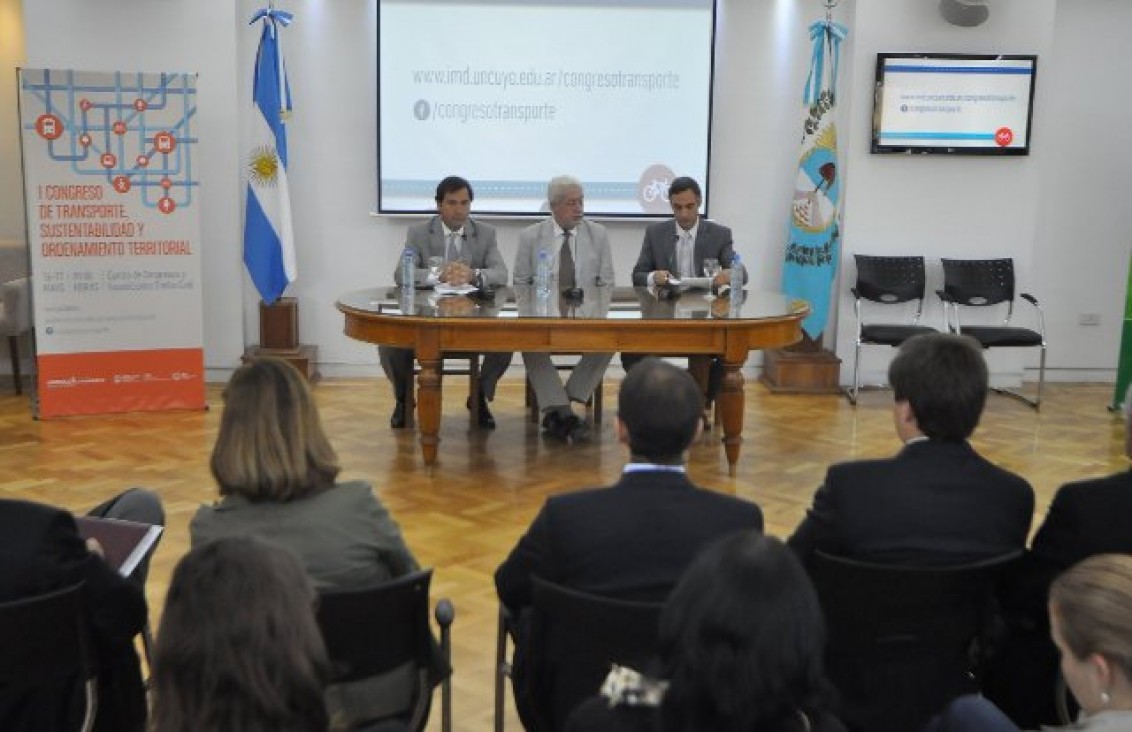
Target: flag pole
[813,241]
[269,248]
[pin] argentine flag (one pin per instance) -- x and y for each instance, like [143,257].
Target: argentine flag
[269,247]
[814,236]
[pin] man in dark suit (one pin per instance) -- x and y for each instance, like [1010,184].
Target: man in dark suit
[41,551]
[677,249]
[1086,518]
[631,540]
[937,502]
[471,256]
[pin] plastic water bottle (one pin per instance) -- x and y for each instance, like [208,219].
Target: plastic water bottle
[542,273]
[736,292]
[408,269]
[408,281]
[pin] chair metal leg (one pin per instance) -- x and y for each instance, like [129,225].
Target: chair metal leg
[14,352]
[502,668]
[595,399]
[853,392]
[1041,377]
[531,402]
[409,399]
[1037,401]
[445,613]
[474,388]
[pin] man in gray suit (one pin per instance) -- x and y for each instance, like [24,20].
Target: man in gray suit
[678,248]
[580,259]
[471,255]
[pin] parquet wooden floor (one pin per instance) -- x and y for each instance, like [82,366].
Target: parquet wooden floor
[464,516]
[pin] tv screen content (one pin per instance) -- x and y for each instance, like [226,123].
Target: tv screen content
[956,104]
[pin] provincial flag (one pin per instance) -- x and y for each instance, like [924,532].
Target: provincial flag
[269,247]
[814,237]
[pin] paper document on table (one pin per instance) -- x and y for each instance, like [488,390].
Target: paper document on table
[694,283]
[443,288]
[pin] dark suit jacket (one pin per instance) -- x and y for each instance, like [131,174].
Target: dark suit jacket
[934,503]
[1086,518]
[41,551]
[658,251]
[630,541]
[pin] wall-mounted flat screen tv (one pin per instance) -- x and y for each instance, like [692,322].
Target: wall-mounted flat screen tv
[957,104]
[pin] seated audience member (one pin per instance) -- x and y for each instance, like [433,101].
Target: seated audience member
[276,471]
[239,649]
[937,502]
[742,641]
[41,551]
[630,541]
[1086,518]
[277,476]
[580,259]
[1091,626]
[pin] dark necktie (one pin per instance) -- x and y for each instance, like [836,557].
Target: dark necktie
[566,279]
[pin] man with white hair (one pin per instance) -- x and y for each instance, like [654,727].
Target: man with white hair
[580,259]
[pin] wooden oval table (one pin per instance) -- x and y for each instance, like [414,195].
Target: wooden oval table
[608,319]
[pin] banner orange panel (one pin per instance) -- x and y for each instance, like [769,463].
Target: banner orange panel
[120,381]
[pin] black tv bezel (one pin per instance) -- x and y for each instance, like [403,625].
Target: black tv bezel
[994,150]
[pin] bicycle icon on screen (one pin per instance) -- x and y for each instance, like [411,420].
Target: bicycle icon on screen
[658,189]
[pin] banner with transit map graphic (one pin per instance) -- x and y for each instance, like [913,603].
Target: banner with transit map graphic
[114,231]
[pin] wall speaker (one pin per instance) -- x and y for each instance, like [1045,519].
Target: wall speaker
[967,13]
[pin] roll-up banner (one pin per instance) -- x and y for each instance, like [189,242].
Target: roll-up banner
[114,231]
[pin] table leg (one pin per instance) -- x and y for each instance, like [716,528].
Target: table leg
[428,406]
[731,402]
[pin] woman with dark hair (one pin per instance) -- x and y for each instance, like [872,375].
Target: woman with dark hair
[239,649]
[277,476]
[742,641]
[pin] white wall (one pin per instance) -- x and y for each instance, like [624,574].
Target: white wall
[1040,210]
[1056,212]
[1084,230]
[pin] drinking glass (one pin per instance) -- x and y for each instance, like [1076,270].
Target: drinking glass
[712,267]
[435,264]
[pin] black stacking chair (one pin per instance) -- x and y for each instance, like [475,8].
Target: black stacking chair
[574,638]
[384,629]
[903,641]
[47,666]
[886,281]
[985,283]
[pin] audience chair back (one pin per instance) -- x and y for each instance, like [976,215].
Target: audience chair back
[979,283]
[575,638]
[903,641]
[15,320]
[47,668]
[384,629]
[886,281]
